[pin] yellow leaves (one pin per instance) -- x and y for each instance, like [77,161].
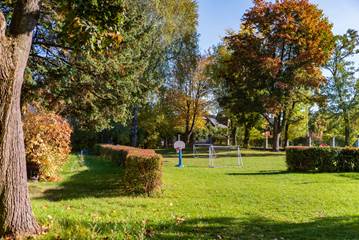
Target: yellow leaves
[47,139]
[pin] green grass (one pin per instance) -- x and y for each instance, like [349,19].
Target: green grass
[260,201]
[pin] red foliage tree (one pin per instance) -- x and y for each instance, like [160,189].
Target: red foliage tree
[279,51]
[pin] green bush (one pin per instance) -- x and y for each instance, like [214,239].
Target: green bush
[118,154]
[143,167]
[322,159]
[143,173]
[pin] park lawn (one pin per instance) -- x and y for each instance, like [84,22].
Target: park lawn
[260,201]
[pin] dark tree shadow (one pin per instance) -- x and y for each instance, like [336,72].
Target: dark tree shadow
[261,228]
[180,227]
[273,172]
[101,179]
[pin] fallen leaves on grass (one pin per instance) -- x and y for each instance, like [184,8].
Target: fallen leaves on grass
[180,220]
[320,214]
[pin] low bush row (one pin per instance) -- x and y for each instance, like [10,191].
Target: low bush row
[143,167]
[322,159]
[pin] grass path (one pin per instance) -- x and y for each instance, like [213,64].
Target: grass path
[259,201]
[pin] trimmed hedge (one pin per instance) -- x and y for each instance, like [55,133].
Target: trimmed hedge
[118,154]
[322,159]
[143,173]
[143,167]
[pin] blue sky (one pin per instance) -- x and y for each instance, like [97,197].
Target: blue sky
[216,16]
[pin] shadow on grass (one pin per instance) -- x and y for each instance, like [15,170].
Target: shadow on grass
[252,228]
[226,228]
[350,175]
[188,153]
[262,154]
[274,172]
[101,179]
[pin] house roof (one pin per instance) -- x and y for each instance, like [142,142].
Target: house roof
[214,122]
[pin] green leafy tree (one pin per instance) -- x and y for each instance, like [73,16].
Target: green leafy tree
[278,51]
[232,97]
[98,88]
[175,37]
[296,124]
[343,87]
[17,22]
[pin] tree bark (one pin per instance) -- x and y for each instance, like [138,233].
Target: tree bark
[278,129]
[234,134]
[246,136]
[134,128]
[286,134]
[346,129]
[16,215]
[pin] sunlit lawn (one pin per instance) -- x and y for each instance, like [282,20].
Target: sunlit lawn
[259,201]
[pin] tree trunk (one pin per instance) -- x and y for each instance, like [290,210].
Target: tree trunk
[166,142]
[134,128]
[346,128]
[276,138]
[192,138]
[16,215]
[286,134]
[246,137]
[278,129]
[234,135]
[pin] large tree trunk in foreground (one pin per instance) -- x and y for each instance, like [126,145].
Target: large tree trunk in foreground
[16,215]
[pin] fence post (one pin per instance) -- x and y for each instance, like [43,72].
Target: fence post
[309,140]
[227,140]
[332,141]
[266,143]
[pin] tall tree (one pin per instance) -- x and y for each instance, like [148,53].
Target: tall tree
[176,22]
[229,93]
[17,22]
[281,47]
[343,87]
[96,87]
[191,98]
[16,213]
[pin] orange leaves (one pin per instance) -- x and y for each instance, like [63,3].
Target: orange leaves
[47,140]
[273,65]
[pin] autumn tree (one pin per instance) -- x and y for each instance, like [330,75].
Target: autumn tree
[280,47]
[17,22]
[190,98]
[47,140]
[343,87]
